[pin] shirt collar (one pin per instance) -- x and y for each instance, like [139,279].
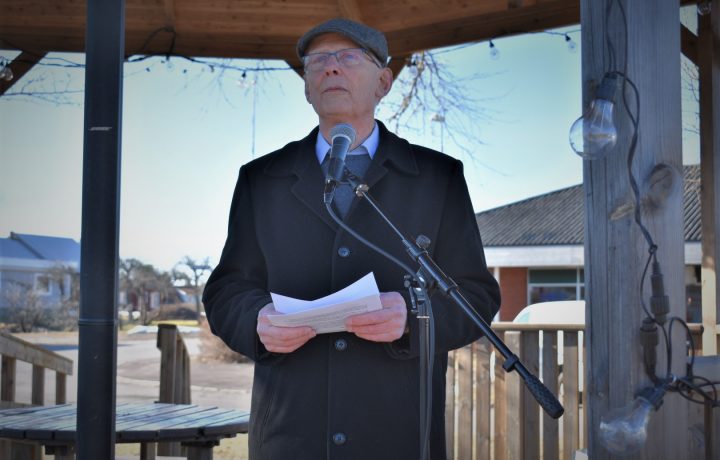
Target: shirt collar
[322,147]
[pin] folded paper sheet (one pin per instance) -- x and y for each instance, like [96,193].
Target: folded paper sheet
[328,314]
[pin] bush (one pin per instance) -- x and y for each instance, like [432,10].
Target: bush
[214,349]
[168,312]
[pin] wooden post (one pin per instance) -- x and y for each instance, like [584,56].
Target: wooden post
[514,429]
[709,80]
[7,382]
[450,406]
[500,392]
[38,385]
[529,409]
[464,357]
[616,251]
[483,351]
[550,379]
[60,388]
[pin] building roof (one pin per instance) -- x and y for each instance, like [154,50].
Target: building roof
[51,248]
[14,249]
[557,218]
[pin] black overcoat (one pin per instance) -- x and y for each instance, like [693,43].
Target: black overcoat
[338,396]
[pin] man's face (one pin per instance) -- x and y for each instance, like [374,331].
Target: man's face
[341,94]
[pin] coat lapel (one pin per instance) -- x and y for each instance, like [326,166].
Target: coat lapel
[302,162]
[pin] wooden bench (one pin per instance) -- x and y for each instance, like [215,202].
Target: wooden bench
[198,428]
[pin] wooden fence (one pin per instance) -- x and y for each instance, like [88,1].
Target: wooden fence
[489,413]
[174,378]
[13,349]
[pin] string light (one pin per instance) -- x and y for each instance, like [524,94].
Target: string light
[572,46]
[494,52]
[6,72]
[704,7]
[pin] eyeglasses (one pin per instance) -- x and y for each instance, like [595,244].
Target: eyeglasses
[347,58]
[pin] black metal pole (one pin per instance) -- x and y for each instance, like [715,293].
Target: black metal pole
[97,358]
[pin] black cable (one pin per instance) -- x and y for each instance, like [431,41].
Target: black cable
[367,243]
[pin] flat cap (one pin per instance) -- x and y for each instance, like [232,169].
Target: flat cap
[371,39]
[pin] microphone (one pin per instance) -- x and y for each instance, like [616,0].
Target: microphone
[342,137]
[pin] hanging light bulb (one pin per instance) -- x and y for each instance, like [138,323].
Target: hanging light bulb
[624,431]
[572,46]
[494,52]
[704,7]
[594,134]
[6,72]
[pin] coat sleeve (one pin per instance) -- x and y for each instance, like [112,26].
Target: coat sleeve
[458,251]
[237,287]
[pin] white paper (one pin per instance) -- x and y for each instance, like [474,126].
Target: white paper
[328,313]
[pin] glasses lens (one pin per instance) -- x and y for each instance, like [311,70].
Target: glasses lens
[316,61]
[349,58]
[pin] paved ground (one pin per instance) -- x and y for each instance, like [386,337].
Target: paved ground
[138,370]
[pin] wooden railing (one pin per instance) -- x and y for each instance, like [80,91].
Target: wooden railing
[14,349]
[489,413]
[174,377]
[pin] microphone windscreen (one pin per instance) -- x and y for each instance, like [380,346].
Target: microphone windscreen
[343,129]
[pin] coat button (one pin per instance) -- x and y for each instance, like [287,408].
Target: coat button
[343,251]
[339,439]
[341,344]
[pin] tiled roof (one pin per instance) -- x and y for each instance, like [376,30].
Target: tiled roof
[558,217]
[51,248]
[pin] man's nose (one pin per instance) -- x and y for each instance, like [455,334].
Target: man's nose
[332,65]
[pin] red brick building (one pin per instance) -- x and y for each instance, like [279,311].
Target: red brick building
[535,247]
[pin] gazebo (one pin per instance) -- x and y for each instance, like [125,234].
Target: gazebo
[640,41]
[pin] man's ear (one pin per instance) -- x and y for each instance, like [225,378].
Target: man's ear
[384,83]
[307,92]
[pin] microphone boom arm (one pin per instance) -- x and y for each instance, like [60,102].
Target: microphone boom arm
[444,283]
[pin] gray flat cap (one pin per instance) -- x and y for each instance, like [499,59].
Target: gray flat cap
[371,39]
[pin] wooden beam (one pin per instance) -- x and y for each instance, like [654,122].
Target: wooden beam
[169,6]
[350,9]
[398,63]
[20,66]
[688,44]
[615,249]
[480,27]
[709,83]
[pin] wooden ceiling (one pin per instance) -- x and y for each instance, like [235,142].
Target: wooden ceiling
[270,28]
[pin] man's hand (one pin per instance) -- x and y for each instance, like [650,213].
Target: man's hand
[384,325]
[281,339]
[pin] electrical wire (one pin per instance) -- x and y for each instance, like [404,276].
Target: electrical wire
[684,385]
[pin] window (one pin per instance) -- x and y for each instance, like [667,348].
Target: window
[546,285]
[42,284]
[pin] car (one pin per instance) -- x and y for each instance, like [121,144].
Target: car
[556,312]
[562,312]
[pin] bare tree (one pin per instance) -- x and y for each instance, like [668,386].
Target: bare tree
[427,91]
[140,280]
[192,272]
[25,308]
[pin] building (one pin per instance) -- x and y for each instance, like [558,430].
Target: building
[535,246]
[42,264]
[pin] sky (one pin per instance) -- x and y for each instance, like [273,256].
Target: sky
[186,130]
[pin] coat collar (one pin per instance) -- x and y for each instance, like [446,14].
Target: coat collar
[298,159]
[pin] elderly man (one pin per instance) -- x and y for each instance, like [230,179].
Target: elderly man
[354,394]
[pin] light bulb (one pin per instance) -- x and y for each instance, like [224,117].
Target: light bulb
[623,431]
[6,73]
[572,46]
[494,52]
[704,7]
[594,134]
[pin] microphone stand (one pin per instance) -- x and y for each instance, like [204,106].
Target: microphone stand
[431,276]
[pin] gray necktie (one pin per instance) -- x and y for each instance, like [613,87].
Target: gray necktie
[358,162]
